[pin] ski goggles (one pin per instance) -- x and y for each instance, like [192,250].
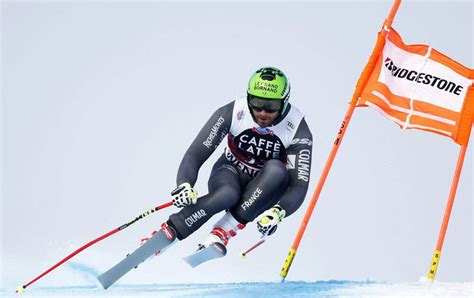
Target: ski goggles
[258,104]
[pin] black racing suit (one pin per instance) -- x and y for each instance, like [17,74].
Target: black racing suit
[231,189]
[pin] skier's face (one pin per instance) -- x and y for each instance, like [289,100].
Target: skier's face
[264,118]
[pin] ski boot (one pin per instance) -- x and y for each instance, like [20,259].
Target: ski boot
[215,245]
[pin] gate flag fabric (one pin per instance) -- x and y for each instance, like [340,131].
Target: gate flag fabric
[418,87]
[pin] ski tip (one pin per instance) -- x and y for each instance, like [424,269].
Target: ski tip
[103,282]
[243,255]
[20,289]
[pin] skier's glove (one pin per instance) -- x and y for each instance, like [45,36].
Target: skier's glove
[269,220]
[184,195]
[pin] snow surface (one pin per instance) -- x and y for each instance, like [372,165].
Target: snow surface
[333,288]
[82,282]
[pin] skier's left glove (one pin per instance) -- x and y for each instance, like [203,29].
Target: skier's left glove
[184,195]
[269,220]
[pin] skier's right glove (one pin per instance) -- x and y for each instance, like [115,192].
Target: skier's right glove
[269,220]
[184,195]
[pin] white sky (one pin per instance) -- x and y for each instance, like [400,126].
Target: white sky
[100,100]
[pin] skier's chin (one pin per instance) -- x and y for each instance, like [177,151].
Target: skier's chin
[264,123]
[264,118]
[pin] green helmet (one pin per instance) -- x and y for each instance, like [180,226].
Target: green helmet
[269,83]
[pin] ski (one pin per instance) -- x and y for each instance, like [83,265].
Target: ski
[157,242]
[204,254]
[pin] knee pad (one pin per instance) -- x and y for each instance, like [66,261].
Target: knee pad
[262,192]
[275,169]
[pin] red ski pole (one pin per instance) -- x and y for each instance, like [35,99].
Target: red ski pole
[21,289]
[243,254]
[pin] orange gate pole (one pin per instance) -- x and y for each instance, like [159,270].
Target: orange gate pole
[447,213]
[358,90]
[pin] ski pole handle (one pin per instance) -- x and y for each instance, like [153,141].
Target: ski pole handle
[243,254]
[21,289]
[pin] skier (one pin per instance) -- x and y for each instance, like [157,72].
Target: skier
[263,173]
[264,169]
